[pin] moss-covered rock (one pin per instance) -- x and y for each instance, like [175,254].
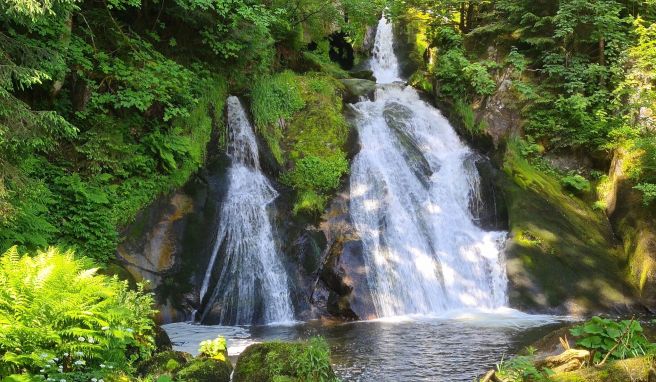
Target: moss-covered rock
[634,223]
[164,363]
[285,361]
[562,255]
[356,88]
[629,370]
[205,370]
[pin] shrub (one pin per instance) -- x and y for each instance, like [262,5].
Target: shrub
[612,339]
[216,348]
[59,319]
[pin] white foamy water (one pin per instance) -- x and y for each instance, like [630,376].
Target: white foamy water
[252,284]
[411,187]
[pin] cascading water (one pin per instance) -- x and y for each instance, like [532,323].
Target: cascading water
[252,284]
[411,186]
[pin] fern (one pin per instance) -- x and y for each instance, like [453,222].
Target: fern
[55,305]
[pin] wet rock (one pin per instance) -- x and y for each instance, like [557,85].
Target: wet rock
[342,289]
[488,205]
[399,118]
[162,340]
[356,89]
[636,226]
[170,241]
[363,75]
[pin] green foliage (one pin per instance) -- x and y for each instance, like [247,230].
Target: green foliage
[58,318]
[300,118]
[279,361]
[649,192]
[313,362]
[615,339]
[520,369]
[275,99]
[216,348]
[312,172]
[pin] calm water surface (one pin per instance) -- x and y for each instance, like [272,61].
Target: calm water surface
[450,348]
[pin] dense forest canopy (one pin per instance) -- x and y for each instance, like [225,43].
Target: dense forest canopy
[582,71]
[105,103]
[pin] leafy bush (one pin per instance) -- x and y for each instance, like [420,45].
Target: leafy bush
[60,319]
[216,348]
[612,339]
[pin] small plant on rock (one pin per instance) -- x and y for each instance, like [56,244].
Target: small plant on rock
[216,348]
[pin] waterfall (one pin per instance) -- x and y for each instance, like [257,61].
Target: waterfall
[252,283]
[385,65]
[411,186]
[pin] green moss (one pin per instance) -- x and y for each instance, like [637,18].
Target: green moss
[205,370]
[284,361]
[164,363]
[629,370]
[562,250]
[300,118]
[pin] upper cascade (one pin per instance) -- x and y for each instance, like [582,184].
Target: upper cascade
[384,64]
[411,187]
[252,286]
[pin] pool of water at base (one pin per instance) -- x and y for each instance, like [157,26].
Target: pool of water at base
[449,348]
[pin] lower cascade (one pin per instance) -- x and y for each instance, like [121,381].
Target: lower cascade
[411,186]
[251,286]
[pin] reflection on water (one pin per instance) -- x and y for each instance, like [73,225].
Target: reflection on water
[456,347]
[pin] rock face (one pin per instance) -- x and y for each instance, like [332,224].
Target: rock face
[169,242]
[636,226]
[342,290]
[562,256]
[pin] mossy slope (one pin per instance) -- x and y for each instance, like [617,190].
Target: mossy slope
[562,255]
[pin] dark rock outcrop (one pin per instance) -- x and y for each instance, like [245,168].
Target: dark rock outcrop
[342,289]
[356,88]
[169,242]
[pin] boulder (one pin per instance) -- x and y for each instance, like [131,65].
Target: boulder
[205,370]
[363,75]
[284,361]
[399,117]
[164,363]
[356,89]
